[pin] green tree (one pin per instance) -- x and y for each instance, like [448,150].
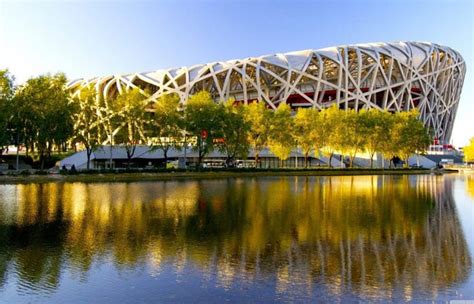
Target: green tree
[6,95]
[258,117]
[376,131]
[235,129]
[87,125]
[202,121]
[45,113]
[281,139]
[353,134]
[306,130]
[331,128]
[167,124]
[131,114]
[469,151]
[389,147]
[412,137]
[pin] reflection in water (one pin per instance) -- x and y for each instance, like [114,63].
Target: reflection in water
[470,185]
[372,236]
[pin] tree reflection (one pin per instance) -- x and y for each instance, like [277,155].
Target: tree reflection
[470,185]
[374,235]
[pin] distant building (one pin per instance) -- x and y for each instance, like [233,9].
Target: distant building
[145,157]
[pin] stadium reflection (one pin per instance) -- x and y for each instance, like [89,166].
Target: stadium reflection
[372,236]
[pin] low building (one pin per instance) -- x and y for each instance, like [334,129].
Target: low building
[144,157]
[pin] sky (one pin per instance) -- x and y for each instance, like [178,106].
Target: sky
[86,38]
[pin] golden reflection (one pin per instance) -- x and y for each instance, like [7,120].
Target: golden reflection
[470,185]
[372,233]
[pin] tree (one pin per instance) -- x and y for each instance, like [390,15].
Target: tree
[469,151]
[281,139]
[202,121]
[6,95]
[376,131]
[130,109]
[44,113]
[235,131]
[389,147]
[412,137]
[86,121]
[306,130]
[167,124]
[258,117]
[353,137]
[331,130]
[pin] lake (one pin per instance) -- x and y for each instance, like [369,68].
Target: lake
[265,239]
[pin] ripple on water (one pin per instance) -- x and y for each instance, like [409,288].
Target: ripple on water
[362,238]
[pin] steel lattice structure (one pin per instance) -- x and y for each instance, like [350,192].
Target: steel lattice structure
[393,76]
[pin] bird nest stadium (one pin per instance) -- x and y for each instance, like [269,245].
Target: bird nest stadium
[395,77]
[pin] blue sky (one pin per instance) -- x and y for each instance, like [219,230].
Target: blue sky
[90,38]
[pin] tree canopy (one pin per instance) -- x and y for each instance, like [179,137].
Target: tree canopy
[203,123]
[167,124]
[469,151]
[43,113]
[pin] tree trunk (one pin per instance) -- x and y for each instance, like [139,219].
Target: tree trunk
[200,157]
[41,160]
[305,160]
[257,162]
[200,152]
[330,160]
[17,150]
[165,154]
[130,153]
[372,160]
[88,152]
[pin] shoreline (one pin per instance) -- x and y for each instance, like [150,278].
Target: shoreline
[167,176]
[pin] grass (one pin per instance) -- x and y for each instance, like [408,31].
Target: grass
[159,175]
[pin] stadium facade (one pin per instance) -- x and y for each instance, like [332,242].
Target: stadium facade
[387,76]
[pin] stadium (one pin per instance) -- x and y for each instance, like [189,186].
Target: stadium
[395,77]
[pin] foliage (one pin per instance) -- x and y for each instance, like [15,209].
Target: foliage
[129,108]
[388,146]
[418,138]
[469,151]
[167,124]
[353,137]
[411,136]
[306,130]
[87,127]
[203,123]
[43,113]
[6,95]
[374,126]
[331,128]
[258,117]
[235,128]
[281,140]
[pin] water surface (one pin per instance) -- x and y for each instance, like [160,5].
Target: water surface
[265,239]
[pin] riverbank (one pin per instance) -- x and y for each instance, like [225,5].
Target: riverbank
[173,175]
